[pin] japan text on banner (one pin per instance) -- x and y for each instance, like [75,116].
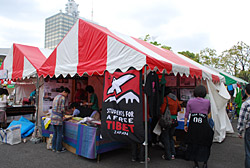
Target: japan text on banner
[122,107]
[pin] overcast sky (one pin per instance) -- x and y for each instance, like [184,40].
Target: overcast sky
[182,24]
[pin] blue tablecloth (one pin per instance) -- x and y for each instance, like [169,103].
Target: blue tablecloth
[85,139]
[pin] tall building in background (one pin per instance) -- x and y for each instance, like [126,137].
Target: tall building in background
[58,25]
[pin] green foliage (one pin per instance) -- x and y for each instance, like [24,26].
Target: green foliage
[209,57]
[236,59]
[148,38]
[166,47]
[155,43]
[245,75]
[191,55]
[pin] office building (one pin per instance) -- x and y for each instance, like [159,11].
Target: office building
[58,25]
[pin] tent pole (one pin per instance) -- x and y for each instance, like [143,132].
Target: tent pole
[35,138]
[37,98]
[146,119]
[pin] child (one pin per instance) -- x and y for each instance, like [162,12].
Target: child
[50,110]
[75,108]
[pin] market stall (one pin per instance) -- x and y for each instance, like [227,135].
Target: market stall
[90,50]
[20,64]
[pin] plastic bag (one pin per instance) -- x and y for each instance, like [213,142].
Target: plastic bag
[11,135]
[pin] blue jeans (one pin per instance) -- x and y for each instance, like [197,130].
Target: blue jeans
[247,148]
[57,137]
[168,142]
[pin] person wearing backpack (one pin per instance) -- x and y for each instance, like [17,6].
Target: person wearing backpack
[167,134]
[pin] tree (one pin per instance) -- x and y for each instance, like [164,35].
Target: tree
[245,75]
[209,57]
[148,38]
[191,55]
[166,47]
[236,59]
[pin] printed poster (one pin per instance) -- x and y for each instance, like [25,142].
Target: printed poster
[122,107]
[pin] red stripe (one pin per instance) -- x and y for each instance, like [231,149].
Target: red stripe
[48,68]
[33,55]
[169,55]
[18,61]
[215,78]
[92,49]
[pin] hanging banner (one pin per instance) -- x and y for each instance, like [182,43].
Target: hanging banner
[122,107]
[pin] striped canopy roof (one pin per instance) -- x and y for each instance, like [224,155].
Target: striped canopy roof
[92,49]
[23,61]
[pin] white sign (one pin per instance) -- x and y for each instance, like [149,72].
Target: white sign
[3,74]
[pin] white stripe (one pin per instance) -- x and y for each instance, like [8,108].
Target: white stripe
[180,69]
[175,67]
[28,69]
[8,62]
[142,48]
[67,53]
[123,57]
[46,52]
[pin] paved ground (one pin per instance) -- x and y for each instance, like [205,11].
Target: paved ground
[229,154]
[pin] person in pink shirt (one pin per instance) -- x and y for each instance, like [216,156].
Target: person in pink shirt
[199,132]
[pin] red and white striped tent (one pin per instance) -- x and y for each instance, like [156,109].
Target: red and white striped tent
[91,49]
[23,61]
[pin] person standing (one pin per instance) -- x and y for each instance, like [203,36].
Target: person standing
[244,125]
[58,110]
[3,104]
[93,103]
[199,133]
[81,94]
[167,134]
[32,97]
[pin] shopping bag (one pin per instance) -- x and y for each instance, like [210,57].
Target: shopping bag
[11,135]
[157,129]
[3,135]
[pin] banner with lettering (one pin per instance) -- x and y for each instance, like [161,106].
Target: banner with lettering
[122,107]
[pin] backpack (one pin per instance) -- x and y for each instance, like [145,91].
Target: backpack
[165,120]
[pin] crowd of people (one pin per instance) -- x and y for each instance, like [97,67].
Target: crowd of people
[199,134]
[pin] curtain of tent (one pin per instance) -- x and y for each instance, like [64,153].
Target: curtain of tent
[219,97]
[24,90]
